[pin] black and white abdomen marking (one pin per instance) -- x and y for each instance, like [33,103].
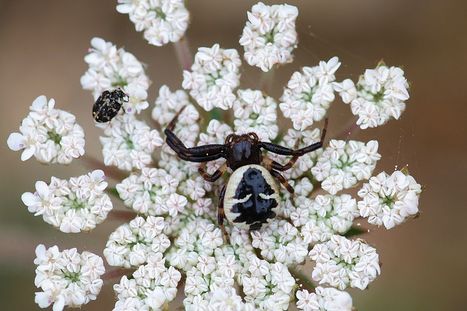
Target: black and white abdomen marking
[251,197]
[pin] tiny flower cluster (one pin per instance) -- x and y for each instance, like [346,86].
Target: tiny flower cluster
[152,286]
[309,94]
[389,199]
[132,244]
[344,163]
[322,217]
[129,143]
[379,95]
[74,205]
[162,21]
[50,135]
[255,112]
[67,278]
[327,299]
[110,67]
[341,263]
[152,192]
[269,36]
[213,77]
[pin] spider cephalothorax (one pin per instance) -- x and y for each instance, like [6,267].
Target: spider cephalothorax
[251,196]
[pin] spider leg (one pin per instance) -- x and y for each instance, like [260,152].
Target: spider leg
[214,176]
[282,180]
[298,152]
[271,164]
[194,154]
[221,215]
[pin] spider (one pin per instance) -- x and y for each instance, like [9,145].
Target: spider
[251,196]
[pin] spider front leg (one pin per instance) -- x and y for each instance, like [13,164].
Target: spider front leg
[282,180]
[194,154]
[214,176]
[298,152]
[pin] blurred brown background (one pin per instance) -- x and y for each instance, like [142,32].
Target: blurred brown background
[42,44]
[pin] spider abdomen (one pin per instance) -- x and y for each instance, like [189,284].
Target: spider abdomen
[251,197]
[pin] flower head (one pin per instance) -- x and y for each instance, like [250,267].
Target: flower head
[129,143]
[152,286]
[309,94]
[269,36]
[50,135]
[109,68]
[389,199]
[379,95]
[74,205]
[329,299]
[213,77]
[343,164]
[67,278]
[341,263]
[162,21]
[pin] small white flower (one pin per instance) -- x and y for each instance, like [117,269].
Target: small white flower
[342,164]
[162,21]
[389,199]
[50,135]
[379,95]
[309,94]
[341,263]
[132,244]
[200,237]
[67,278]
[326,299]
[110,68]
[269,36]
[213,77]
[255,112]
[267,286]
[153,285]
[280,241]
[325,215]
[152,192]
[129,143]
[74,205]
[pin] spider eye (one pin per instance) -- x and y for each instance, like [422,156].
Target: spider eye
[229,138]
[253,136]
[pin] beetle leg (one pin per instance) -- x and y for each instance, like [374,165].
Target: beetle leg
[282,180]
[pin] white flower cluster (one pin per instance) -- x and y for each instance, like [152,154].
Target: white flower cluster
[199,237]
[110,68]
[162,21]
[213,77]
[269,36]
[152,286]
[325,215]
[389,199]
[269,286]
[210,284]
[51,135]
[343,163]
[132,244]
[255,112]
[309,94]
[280,241]
[67,278]
[324,299]
[152,192]
[129,143]
[74,205]
[341,263]
[379,95]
